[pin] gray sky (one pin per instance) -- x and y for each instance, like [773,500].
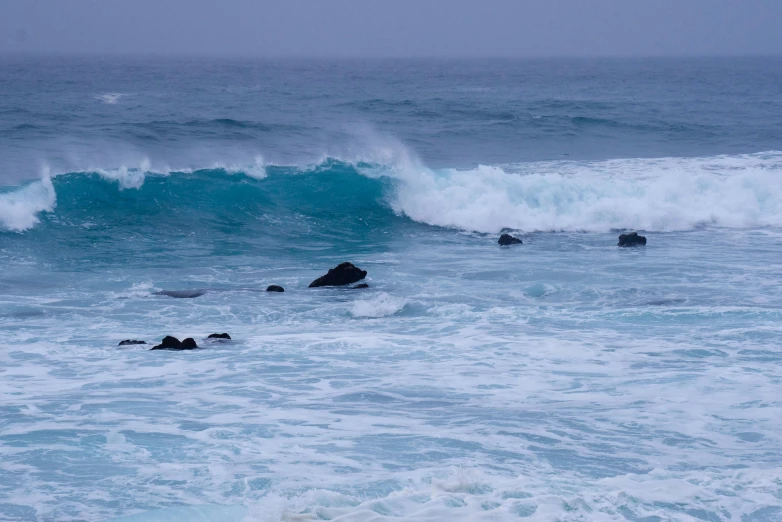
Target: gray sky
[393,27]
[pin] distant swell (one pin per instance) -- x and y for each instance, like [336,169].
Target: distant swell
[668,194]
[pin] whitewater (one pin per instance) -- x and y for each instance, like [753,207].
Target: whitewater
[561,379]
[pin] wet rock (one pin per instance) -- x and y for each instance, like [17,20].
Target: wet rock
[172,343]
[189,344]
[507,239]
[219,336]
[631,239]
[168,343]
[342,274]
[181,294]
[128,342]
[361,285]
[275,288]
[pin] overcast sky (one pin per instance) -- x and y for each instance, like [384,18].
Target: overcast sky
[393,27]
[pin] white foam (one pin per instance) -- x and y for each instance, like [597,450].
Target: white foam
[667,194]
[256,170]
[19,208]
[425,418]
[110,98]
[381,305]
[136,290]
[471,495]
[127,177]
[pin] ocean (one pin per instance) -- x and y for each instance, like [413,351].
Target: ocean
[564,378]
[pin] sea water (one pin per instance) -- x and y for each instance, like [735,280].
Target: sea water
[562,379]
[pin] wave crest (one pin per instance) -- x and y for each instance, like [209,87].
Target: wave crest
[19,208]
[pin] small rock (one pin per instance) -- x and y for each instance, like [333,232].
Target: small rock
[168,343]
[181,294]
[275,288]
[631,239]
[189,344]
[507,239]
[219,336]
[126,342]
[342,274]
[361,285]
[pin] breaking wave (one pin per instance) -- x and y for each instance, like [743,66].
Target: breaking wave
[664,194]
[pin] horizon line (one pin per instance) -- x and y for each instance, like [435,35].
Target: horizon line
[212,56]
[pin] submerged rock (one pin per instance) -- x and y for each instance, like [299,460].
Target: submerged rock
[219,336]
[507,239]
[361,285]
[127,342]
[631,239]
[181,294]
[342,274]
[275,288]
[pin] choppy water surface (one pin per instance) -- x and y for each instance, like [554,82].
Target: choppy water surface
[561,379]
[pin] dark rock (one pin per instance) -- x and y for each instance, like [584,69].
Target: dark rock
[362,285]
[181,294]
[631,239]
[507,239]
[342,274]
[127,342]
[219,336]
[168,343]
[275,288]
[189,344]
[172,343]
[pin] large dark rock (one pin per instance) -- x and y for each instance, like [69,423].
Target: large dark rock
[507,239]
[275,288]
[219,336]
[342,274]
[172,343]
[127,342]
[168,343]
[631,239]
[181,294]
[188,344]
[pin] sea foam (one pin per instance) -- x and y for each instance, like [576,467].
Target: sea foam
[380,306]
[110,98]
[666,194]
